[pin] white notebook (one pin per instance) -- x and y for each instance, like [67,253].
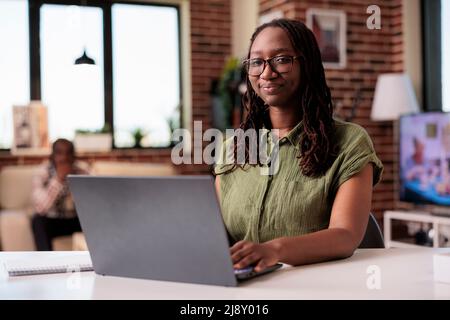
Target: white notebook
[31,266]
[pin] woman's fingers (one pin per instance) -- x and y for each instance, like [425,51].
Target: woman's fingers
[241,245]
[244,250]
[237,246]
[245,253]
[241,254]
[261,266]
[248,260]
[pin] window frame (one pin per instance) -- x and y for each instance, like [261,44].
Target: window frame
[432,55]
[106,6]
[28,2]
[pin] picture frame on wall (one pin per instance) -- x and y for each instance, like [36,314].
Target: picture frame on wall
[330,29]
[30,134]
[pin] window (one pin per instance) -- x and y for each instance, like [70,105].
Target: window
[445,25]
[136,80]
[14,64]
[74,94]
[146,74]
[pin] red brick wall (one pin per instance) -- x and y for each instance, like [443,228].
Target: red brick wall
[210,47]
[369,53]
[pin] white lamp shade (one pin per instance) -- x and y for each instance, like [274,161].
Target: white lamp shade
[394,96]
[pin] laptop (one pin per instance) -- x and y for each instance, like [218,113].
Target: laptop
[159,228]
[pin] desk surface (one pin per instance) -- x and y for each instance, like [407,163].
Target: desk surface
[404,274]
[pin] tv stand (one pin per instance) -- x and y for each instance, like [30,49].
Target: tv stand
[413,216]
[443,212]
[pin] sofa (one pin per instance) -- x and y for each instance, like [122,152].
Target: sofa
[15,202]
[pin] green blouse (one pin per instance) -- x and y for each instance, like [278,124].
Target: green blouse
[260,208]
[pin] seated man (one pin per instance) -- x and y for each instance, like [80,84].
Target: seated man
[55,213]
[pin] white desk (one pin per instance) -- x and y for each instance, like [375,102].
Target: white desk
[405,274]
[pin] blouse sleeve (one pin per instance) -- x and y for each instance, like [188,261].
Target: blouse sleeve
[356,155]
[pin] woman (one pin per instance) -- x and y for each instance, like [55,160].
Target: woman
[54,209]
[316,207]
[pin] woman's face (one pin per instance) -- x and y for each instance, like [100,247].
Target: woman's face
[275,89]
[62,153]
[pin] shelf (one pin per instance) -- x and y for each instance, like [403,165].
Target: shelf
[401,244]
[412,216]
[417,216]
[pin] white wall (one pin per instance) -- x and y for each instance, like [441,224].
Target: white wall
[413,45]
[244,15]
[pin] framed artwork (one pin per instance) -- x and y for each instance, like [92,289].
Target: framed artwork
[330,29]
[30,129]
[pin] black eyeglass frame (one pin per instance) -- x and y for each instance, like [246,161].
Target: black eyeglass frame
[268,61]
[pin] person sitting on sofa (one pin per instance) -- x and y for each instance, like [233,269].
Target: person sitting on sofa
[54,209]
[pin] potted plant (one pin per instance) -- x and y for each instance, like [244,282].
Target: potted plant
[229,94]
[93,140]
[138,135]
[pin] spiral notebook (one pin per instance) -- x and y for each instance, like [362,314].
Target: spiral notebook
[33,266]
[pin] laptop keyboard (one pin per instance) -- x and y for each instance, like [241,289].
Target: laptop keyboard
[244,270]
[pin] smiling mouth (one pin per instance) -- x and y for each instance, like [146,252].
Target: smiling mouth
[270,89]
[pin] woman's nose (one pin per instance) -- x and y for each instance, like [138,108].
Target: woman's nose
[268,72]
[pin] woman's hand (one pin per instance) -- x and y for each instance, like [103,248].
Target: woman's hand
[62,170]
[263,255]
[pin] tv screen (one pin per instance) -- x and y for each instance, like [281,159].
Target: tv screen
[424,158]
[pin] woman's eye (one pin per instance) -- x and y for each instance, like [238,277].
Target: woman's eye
[282,60]
[256,62]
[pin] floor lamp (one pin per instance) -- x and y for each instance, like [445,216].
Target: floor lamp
[394,96]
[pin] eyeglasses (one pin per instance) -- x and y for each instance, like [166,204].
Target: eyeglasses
[280,64]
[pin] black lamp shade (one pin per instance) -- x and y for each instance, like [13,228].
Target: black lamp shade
[84,59]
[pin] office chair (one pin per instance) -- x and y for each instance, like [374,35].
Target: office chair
[373,239]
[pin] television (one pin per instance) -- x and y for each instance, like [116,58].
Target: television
[424,158]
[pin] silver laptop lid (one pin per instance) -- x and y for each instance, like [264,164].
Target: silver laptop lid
[160,228]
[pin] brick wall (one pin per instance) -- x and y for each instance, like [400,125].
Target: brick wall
[369,53]
[210,46]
